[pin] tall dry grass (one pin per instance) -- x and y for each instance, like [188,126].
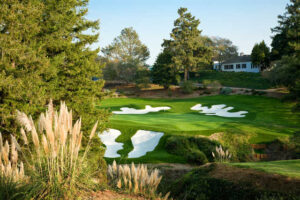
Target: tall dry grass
[221,155]
[136,179]
[11,169]
[53,155]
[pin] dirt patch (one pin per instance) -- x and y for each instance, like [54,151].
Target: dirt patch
[256,179]
[111,195]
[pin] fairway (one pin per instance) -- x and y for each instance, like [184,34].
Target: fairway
[267,119]
[289,168]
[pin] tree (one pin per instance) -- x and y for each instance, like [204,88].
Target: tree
[261,55]
[287,49]
[287,33]
[45,54]
[186,45]
[223,49]
[163,72]
[126,55]
[127,48]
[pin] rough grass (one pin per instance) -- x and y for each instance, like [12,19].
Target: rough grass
[289,168]
[268,119]
[235,79]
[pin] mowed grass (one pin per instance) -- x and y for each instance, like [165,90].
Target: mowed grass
[268,119]
[289,168]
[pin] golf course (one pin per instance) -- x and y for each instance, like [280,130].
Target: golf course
[267,119]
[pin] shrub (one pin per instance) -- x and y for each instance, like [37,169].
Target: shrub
[54,162]
[188,87]
[197,157]
[135,179]
[221,155]
[225,91]
[195,150]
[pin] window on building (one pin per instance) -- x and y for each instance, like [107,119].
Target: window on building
[238,66]
[244,66]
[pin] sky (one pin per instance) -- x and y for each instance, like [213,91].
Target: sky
[244,22]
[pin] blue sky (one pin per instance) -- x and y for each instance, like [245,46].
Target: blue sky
[245,22]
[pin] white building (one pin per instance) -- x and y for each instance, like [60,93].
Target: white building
[237,64]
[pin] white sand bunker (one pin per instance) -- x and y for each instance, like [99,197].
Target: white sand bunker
[219,110]
[108,138]
[126,110]
[143,142]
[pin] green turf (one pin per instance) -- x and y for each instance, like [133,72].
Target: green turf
[289,168]
[235,79]
[268,119]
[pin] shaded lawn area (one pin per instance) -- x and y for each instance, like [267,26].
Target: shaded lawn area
[268,119]
[289,168]
[234,79]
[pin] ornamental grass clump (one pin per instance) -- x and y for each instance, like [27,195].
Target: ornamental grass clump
[12,174]
[136,179]
[53,156]
[221,155]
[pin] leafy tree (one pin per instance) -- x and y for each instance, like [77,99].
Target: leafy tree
[261,55]
[127,48]
[187,47]
[287,33]
[163,72]
[223,49]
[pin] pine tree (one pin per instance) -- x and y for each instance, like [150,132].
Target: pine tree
[186,45]
[261,55]
[287,37]
[163,72]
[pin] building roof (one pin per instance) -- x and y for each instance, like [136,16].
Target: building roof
[244,58]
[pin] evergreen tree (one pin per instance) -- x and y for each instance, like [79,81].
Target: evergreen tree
[187,47]
[45,54]
[127,48]
[162,72]
[287,33]
[261,55]
[286,45]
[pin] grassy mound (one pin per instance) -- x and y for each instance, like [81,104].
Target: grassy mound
[289,168]
[216,181]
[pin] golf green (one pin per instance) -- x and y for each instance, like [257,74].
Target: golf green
[267,119]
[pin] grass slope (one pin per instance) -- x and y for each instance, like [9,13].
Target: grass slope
[267,119]
[235,79]
[289,168]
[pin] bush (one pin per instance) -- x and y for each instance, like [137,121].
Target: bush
[195,150]
[226,91]
[188,87]
[197,157]
[142,78]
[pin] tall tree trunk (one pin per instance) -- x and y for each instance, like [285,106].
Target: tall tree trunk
[186,74]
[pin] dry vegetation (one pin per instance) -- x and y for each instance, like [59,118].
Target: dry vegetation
[136,179]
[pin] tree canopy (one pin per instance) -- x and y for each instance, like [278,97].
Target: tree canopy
[223,49]
[261,55]
[45,54]
[186,45]
[287,33]
[127,48]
